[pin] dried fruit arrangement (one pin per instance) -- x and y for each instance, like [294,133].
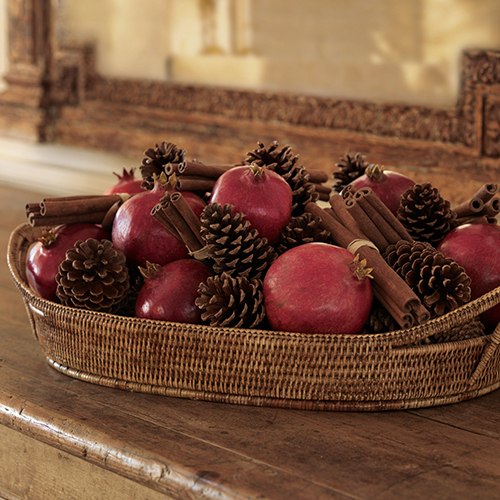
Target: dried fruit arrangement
[250,246]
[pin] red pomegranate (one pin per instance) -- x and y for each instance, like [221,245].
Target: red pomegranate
[169,292]
[127,183]
[317,288]
[386,184]
[49,251]
[262,195]
[140,236]
[476,247]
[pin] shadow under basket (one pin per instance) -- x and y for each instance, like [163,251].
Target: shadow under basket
[255,367]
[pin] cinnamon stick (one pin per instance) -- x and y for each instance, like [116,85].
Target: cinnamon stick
[403,319]
[469,207]
[189,217]
[317,176]
[175,214]
[161,216]
[194,183]
[365,221]
[71,209]
[32,208]
[491,208]
[38,220]
[194,168]
[478,219]
[486,192]
[393,222]
[476,203]
[375,219]
[390,288]
[339,210]
[57,207]
[320,188]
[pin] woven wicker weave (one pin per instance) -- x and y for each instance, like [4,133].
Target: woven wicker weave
[318,372]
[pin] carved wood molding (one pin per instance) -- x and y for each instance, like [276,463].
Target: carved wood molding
[48,78]
[449,125]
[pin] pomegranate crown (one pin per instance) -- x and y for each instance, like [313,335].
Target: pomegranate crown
[126,175]
[257,170]
[360,270]
[149,271]
[48,237]
[374,171]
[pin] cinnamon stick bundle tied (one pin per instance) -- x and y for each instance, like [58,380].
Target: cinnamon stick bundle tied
[389,288]
[375,219]
[483,203]
[176,215]
[91,209]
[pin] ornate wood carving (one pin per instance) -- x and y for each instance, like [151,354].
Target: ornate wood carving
[491,134]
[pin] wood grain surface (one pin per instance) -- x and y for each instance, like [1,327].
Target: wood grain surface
[63,438]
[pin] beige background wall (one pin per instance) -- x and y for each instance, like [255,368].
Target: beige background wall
[390,50]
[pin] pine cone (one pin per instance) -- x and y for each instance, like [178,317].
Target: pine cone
[93,276]
[379,321]
[281,161]
[231,301]
[284,163]
[300,230]
[438,281]
[136,283]
[156,159]
[470,330]
[350,168]
[425,214]
[234,247]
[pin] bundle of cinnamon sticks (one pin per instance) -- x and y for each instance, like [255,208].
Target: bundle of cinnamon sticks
[388,287]
[93,209]
[482,207]
[175,215]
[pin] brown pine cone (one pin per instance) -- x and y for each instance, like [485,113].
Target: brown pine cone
[300,230]
[350,168]
[425,214]
[438,281]
[470,330]
[93,276]
[156,159]
[284,163]
[229,301]
[281,161]
[136,283]
[234,247]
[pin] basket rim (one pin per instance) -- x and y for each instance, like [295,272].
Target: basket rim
[273,402]
[19,243]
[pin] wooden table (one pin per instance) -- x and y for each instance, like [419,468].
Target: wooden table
[65,439]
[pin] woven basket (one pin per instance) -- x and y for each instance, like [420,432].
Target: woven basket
[317,372]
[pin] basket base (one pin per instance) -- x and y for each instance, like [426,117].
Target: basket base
[315,405]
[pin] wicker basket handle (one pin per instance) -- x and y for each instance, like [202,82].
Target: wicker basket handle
[460,316]
[486,357]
